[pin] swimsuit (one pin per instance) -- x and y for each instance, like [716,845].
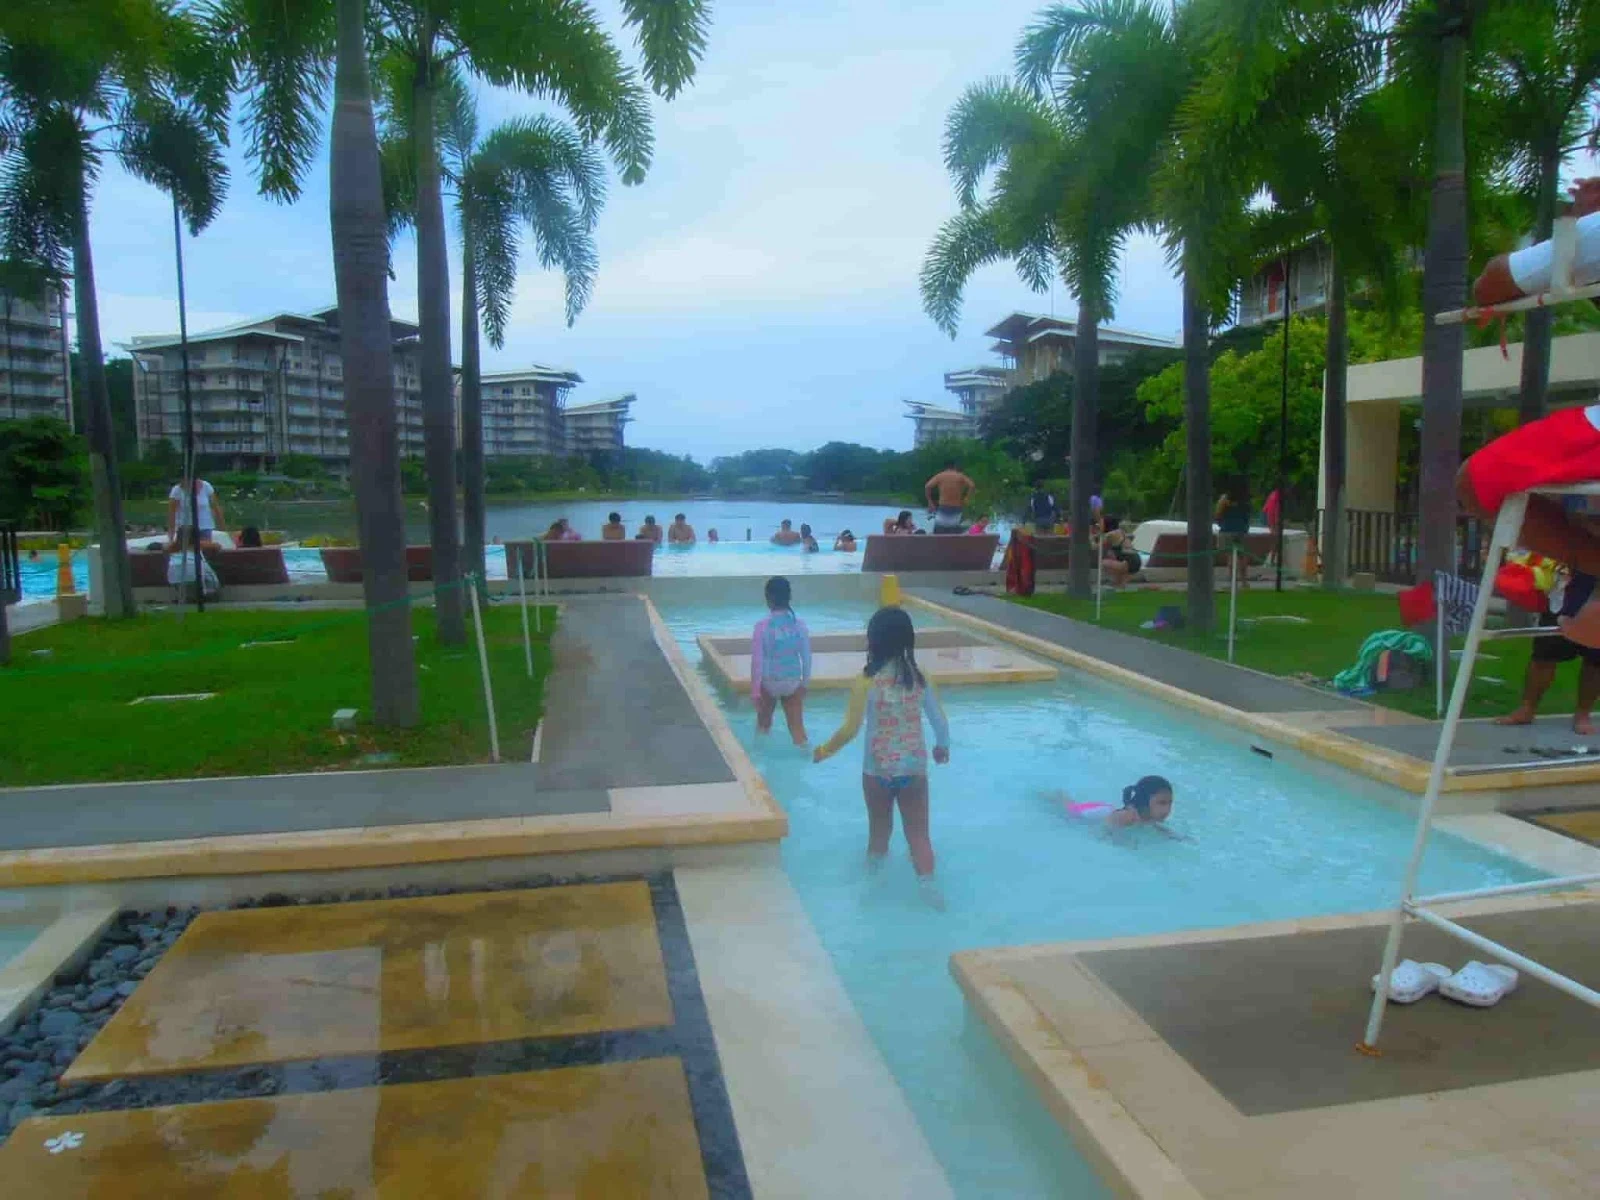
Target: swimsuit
[895,749]
[949,520]
[780,655]
[1559,449]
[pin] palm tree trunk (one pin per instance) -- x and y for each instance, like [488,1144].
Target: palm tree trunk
[1536,325]
[1334,391]
[1444,286]
[471,412]
[1197,450]
[116,577]
[361,270]
[438,398]
[1085,405]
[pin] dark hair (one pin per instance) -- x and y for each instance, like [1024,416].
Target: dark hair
[650,520]
[845,533]
[805,530]
[250,537]
[950,464]
[1137,795]
[785,522]
[778,593]
[614,518]
[679,517]
[905,515]
[891,638]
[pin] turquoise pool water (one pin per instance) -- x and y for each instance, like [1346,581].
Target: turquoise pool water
[1270,842]
[14,939]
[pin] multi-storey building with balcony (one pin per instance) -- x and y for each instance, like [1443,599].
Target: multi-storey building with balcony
[522,411]
[597,428]
[265,389]
[35,377]
[1034,347]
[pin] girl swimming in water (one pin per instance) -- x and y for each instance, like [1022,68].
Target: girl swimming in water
[892,696]
[1147,802]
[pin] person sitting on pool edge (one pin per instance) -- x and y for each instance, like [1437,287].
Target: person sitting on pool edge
[614,530]
[786,536]
[561,531]
[649,532]
[1147,802]
[680,532]
[845,543]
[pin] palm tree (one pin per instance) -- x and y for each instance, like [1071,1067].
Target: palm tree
[550,48]
[81,81]
[1538,74]
[1127,66]
[1050,210]
[282,53]
[536,172]
[1292,104]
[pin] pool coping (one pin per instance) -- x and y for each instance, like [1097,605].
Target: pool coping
[670,816]
[1127,1156]
[1386,766]
[60,947]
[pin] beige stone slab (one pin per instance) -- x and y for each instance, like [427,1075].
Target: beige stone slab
[1542,849]
[722,799]
[948,667]
[1072,999]
[817,1109]
[63,942]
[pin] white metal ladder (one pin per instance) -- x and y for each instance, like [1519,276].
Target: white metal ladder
[1507,528]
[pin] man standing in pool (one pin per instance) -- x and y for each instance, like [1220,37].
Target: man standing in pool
[948,493]
[786,536]
[680,532]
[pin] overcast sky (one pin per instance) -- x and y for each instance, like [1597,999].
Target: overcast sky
[758,289]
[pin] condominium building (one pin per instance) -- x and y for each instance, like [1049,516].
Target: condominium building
[1034,347]
[1304,284]
[934,423]
[265,389]
[597,428]
[522,411]
[35,379]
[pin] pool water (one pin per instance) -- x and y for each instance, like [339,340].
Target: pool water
[14,939]
[1269,842]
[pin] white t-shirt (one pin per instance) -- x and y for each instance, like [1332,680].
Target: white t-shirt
[1530,268]
[208,505]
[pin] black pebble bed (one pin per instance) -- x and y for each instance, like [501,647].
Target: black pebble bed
[70,1015]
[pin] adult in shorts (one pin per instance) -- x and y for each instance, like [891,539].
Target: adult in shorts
[211,516]
[1550,652]
[948,493]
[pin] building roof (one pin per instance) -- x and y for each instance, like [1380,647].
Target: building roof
[979,376]
[920,411]
[262,327]
[536,373]
[1032,327]
[617,404]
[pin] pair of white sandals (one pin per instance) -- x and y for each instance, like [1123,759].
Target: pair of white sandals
[1481,985]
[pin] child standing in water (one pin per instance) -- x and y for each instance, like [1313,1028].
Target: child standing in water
[1147,802]
[780,663]
[893,696]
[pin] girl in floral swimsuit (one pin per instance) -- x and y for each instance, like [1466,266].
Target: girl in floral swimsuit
[891,697]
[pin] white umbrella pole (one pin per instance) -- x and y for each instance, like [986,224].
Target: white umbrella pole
[483,666]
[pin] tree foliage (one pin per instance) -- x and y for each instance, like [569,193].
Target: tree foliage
[44,473]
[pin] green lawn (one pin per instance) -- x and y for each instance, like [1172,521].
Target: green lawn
[1338,623]
[65,716]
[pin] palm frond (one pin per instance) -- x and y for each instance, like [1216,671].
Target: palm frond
[172,146]
[1060,30]
[672,39]
[42,183]
[280,52]
[967,241]
[557,48]
[990,122]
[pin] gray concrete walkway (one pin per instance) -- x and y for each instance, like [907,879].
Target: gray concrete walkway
[1237,687]
[1483,745]
[615,714]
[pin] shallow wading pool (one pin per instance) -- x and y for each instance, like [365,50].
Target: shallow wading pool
[1270,841]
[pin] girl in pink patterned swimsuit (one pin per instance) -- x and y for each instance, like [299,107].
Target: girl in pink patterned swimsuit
[780,663]
[892,697]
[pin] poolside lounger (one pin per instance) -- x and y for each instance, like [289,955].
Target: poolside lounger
[248,565]
[343,564]
[963,552]
[586,560]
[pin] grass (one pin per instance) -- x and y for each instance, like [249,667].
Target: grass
[65,716]
[1338,622]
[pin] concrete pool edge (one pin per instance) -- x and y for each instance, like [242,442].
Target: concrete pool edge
[1105,1128]
[59,948]
[1399,770]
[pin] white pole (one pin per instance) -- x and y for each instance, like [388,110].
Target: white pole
[483,666]
[1099,573]
[538,611]
[1233,596]
[1506,529]
[522,587]
[1440,650]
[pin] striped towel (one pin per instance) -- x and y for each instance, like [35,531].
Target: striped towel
[1456,598]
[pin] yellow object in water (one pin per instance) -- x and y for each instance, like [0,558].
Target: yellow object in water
[64,584]
[889,591]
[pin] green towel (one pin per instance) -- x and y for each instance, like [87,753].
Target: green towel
[1359,677]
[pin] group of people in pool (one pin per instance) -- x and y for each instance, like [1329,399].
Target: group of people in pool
[891,699]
